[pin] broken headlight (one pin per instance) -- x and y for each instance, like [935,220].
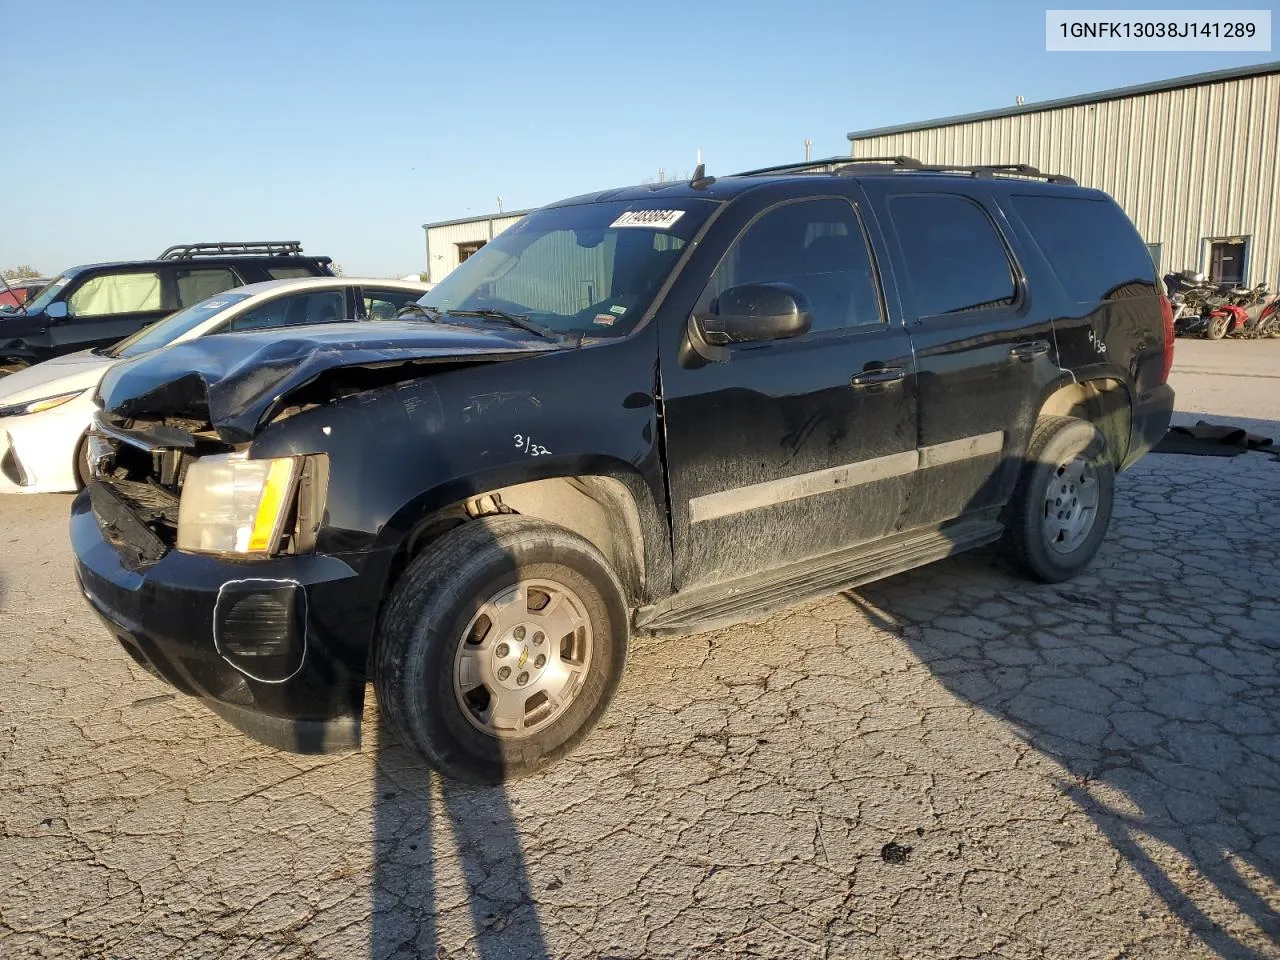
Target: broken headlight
[231,504]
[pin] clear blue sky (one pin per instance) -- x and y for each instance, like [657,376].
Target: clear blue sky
[347,125]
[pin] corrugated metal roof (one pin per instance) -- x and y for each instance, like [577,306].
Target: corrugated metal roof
[1119,93]
[480,219]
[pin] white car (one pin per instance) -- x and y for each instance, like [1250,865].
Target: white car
[45,409]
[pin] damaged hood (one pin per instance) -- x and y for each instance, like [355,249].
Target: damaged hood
[236,381]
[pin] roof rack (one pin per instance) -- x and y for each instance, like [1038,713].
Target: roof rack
[259,248]
[1024,170]
[843,165]
[826,165]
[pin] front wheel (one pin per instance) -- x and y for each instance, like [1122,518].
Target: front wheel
[1062,505]
[1217,328]
[501,647]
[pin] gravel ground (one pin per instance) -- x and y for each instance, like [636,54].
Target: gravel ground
[952,763]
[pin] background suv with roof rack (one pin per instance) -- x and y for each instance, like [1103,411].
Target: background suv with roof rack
[95,305]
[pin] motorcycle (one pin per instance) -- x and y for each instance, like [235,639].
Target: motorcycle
[1195,302]
[1260,308]
[1207,309]
[1268,322]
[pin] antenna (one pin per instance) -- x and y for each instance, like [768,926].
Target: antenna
[700,180]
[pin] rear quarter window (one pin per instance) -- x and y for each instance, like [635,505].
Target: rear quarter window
[1091,246]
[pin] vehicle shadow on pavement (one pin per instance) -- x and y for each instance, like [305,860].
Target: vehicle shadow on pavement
[1151,680]
[449,867]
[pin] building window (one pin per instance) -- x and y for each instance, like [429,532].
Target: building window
[467,249]
[1154,250]
[1228,259]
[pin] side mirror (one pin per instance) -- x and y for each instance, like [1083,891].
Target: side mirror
[56,310]
[755,312]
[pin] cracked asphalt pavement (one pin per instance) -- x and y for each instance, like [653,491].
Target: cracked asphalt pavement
[951,763]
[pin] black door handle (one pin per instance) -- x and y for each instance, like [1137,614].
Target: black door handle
[1029,350]
[881,375]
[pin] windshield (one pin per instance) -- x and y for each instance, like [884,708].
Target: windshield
[45,296]
[165,331]
[592,268]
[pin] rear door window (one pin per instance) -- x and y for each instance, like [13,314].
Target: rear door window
[115,293]
[320,306]
[1091,246]
[198,284]
[955,258]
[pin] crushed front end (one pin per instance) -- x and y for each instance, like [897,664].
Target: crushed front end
[242,614]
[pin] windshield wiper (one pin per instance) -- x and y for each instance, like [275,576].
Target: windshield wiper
[514,319]
[431,313]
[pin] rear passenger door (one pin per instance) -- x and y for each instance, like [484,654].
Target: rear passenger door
[984,346]
[794,448]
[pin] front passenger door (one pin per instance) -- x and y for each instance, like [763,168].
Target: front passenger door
[108,307]
[794,448]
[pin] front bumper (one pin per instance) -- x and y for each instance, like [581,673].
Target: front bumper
[273,646]
[1151,414]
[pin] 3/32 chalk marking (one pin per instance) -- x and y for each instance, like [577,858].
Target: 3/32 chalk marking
[525,443]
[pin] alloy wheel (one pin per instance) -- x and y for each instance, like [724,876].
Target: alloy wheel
[523,658]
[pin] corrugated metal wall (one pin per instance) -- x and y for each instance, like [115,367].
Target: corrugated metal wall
[1187,165]
[442,242]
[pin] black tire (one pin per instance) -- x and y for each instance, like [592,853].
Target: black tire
[1056,442]
[1217,328]
[423,625]
[83,471]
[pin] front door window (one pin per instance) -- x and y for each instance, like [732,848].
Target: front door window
[115,293]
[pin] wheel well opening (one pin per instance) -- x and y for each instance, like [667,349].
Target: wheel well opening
[598,509]
[1105,403]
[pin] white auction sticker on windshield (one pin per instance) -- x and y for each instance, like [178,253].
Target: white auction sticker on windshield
[652,219]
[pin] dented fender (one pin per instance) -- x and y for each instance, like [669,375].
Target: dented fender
[238,381]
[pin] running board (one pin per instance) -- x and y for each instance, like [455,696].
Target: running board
[721,604]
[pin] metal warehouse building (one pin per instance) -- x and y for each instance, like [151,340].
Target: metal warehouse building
[449,242]
[1193,161]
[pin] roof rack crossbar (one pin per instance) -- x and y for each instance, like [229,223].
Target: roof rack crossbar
[858,165]
[826,165]
[1023,170]
[277,248]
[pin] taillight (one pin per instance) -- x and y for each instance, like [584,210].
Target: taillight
[1166,313]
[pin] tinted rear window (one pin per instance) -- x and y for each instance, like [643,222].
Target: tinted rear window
[955,259]
[1091,246]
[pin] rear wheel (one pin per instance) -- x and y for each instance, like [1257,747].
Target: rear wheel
[1217,328]
[1061,508]
[501,648]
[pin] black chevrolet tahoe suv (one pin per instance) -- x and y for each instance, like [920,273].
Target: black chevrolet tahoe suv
[100,303]
[650,410]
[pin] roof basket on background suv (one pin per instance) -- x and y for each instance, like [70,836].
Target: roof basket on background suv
[864,165]
[248,248]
